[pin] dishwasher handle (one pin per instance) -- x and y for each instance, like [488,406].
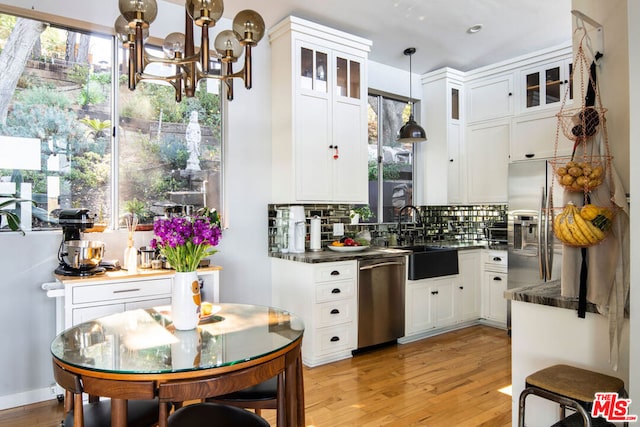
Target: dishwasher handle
[382,264]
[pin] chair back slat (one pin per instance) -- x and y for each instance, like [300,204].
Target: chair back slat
[140,390]
[67,380]
[179,391]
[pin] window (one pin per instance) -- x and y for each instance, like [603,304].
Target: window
[388,158]
[63,145]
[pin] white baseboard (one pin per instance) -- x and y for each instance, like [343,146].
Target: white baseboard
[30,397]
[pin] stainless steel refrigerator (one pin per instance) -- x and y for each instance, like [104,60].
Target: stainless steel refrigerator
[534,252]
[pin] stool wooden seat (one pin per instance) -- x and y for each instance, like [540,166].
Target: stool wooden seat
[570,387]
[574,383]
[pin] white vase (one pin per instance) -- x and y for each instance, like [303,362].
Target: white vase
[355,219]
[185,300]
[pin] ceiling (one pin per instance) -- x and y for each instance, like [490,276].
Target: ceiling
[436,28]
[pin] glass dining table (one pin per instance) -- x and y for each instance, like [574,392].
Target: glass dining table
[143,345]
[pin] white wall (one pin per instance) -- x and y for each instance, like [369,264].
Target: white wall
[633,18]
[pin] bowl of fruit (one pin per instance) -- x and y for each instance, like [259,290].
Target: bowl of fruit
[348,244]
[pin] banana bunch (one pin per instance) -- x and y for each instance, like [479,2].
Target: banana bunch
[582,227]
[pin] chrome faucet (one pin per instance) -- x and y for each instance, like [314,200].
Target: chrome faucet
[404,208]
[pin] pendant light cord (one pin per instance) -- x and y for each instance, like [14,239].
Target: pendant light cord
[410,51]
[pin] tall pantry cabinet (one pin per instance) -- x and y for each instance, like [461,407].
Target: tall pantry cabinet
[319,113]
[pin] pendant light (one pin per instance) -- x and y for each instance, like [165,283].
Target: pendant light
[411,132]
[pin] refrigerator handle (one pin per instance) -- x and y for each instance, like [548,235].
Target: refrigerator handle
[548,232]
[541,239]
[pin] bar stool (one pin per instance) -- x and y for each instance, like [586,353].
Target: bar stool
[570,387]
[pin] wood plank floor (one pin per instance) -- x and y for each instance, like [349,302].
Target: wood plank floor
[447,380]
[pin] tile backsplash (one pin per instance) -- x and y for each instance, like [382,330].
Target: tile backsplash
[465,223]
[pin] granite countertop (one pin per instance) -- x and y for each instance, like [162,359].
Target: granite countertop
[326,255]
[546,294]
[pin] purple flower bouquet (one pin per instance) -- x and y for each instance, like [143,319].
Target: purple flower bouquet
[185,241]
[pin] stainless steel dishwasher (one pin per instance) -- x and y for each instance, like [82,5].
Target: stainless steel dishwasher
[381,285]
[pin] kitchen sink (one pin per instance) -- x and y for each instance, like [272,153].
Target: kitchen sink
[431,261]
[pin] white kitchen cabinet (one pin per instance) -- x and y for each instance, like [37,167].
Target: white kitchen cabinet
[419,317]
[468,288]
[545,85]
[533,136]
[319,114]
[490,97]
[324,295]
[494,284]
[487,146]
[79,299]
[430,304]
[441,175]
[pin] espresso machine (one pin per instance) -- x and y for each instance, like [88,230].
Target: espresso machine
[78,257]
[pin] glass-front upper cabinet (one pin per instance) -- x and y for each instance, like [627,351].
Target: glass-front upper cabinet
[347,77]
[548,84]
[313,69]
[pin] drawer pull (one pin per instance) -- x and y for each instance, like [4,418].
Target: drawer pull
[122,291]
[335,339]
[497,278]
[434,292]
[497,258]
[335,273]
[335,311]
[335,291]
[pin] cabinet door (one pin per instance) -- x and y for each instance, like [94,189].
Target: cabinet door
[312,68]
[313,148]
[470,266]
[547,85]
[495,285]
[490,98]
[88,313]
[443,300]
[488,162]
[534,137]
[350,166]
[419,317]
[440,174]
[350,180]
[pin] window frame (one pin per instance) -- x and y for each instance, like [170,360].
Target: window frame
[78,26]
[379,214]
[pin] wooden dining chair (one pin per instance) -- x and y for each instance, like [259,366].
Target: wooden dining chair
[97,413]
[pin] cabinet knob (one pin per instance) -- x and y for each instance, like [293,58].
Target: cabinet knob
[334,339]
[335,291]
[434,292]
[510,94]
[461,287]
[335,311]
[451,160]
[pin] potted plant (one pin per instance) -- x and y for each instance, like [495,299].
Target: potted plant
[360,213]
[13,220]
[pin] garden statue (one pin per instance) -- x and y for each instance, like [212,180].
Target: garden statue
[193,142]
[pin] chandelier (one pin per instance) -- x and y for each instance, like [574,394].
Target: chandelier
[189,66]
